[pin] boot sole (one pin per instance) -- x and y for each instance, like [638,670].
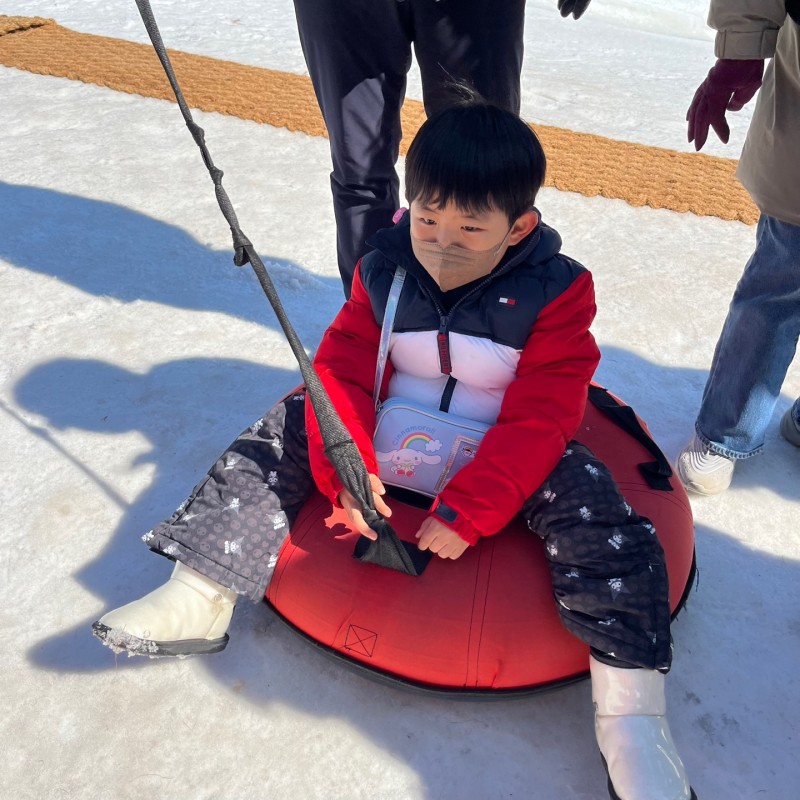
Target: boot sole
[120,641]
[695,488]
[614,796]
[692,486]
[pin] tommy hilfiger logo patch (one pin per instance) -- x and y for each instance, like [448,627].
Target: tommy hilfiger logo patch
[508,301]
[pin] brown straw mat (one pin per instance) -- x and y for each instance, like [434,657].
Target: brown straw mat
[577,162]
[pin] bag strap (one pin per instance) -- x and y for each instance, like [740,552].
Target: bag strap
[657,473]
[386,331]
[447,394]
[392,302]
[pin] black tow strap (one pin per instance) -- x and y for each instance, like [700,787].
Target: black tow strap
[388,550]
[657,473]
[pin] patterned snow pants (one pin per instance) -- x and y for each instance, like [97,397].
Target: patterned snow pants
[607,566]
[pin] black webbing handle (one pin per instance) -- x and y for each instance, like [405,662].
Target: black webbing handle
[657,473]
[388,550]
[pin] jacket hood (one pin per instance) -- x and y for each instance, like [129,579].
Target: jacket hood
[540,245]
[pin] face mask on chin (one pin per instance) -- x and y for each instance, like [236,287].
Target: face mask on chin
[455,266]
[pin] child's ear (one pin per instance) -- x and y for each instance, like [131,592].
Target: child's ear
[523,225]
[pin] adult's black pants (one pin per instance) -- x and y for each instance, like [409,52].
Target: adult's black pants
[358,54]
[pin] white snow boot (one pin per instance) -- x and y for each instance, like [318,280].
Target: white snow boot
[633,735]
[188,615]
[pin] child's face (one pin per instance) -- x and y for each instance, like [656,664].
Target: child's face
[456,246]
[450,225]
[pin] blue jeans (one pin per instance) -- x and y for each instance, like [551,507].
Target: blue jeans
[756,346]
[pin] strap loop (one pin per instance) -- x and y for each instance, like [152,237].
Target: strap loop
[657,473]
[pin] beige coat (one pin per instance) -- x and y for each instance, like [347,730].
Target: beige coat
[769,166]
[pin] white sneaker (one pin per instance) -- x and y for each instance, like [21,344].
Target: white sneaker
[634,737]
[188,615]
[789,428]
[702,471]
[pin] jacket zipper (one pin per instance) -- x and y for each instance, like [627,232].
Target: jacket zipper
[443,343]
[443,334]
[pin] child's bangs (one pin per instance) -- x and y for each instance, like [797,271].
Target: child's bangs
[479,159]
[448,170]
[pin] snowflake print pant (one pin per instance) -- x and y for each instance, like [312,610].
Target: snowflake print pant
[607,567]
[233,525]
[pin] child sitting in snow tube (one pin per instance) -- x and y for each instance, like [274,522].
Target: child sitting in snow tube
[492,325]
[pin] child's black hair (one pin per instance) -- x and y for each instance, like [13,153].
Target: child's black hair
[478,156]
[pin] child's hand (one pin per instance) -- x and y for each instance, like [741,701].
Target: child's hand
[353,507]
[438,538]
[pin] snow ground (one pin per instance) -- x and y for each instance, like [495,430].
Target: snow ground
[134,352]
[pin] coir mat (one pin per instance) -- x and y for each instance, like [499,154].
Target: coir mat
[577,162]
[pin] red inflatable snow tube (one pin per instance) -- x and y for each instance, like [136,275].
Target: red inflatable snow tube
[485,624]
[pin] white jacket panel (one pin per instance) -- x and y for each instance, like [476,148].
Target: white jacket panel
[483,369]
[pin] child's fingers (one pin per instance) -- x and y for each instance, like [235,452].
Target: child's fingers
[353,509]
[376,484]
[440,540]
[357,518]
[426,538]
[452,550]
[378,490]
[347,500]
[380,505]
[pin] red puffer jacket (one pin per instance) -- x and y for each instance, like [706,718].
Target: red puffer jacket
[518,344]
